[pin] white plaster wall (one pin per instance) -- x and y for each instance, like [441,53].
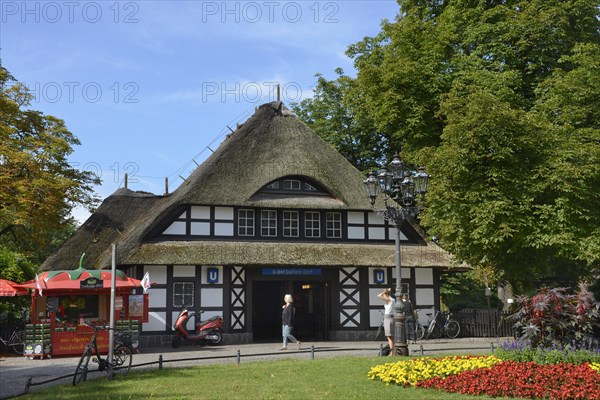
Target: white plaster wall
[356,217]
[425,315]
[176,228]
[211,297]
[200,212]
[157,298]
[209,314]
[373,299]
[156,321]
[424,276]
[184,271]
[424,297]
[376,219]
[158,273]
[392,234]
[224,213]
[223,229]
[356,232]
[375,317]
[200,228]
[377,233]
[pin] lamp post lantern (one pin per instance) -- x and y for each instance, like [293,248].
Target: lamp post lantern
[398,183]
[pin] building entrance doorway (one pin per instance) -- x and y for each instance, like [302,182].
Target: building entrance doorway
[311,300]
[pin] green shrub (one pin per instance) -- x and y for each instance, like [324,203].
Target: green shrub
[521,351]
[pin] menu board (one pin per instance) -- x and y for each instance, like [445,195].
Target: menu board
[136,306]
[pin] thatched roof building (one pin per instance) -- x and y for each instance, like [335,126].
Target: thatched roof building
[273,143]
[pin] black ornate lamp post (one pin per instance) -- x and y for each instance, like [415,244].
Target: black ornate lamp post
[400,184]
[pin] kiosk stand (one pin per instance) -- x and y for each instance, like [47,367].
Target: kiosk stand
[61,301]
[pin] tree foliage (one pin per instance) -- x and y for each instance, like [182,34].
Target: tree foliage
[38,187]
[500,99]
[17,268]
[334,113]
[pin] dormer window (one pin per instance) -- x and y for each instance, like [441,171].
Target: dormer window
[294,185]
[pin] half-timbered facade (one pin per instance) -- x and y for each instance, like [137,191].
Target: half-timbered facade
[274,210]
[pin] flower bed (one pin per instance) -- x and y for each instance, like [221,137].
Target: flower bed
[491,376]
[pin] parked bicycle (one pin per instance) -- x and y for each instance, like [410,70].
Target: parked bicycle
[419,331]
[16,341]
[122,355]
[450,328]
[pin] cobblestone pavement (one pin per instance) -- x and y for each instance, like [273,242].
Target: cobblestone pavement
[15,371]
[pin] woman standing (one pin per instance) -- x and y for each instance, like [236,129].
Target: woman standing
[388,318]
[287,322]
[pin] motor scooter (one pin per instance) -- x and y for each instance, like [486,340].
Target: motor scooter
[206,332]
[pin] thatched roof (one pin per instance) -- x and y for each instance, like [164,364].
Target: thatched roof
[281,254]
[271,144]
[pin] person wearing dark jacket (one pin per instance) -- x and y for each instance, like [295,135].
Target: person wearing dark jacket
[287,321]
[409,312]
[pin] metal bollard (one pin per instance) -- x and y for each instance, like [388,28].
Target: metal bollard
[238,356]
[312,352]
[380,349]
[422,350]
[493,347]
[28,384]
[160,362]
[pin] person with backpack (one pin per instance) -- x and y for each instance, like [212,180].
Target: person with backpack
[409,312]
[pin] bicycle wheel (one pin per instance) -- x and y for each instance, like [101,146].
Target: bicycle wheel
[82,367]
[420,332]
[122,360]
[452,329]
[17,342]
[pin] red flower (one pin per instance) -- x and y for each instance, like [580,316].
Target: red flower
[528,380]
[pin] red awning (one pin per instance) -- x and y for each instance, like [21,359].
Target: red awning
[80,278]
[10,289]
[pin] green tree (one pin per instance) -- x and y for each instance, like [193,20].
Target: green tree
[500,100]
[334,114]
[17,268]
[38,187]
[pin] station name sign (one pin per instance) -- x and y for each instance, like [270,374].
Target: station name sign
[291,271]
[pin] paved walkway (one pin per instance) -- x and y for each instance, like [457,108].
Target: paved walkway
[15,371]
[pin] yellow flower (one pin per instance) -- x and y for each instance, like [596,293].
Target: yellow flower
[418,369]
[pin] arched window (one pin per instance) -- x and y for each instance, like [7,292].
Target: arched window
[294,185]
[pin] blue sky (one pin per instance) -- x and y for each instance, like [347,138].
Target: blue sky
[146,86]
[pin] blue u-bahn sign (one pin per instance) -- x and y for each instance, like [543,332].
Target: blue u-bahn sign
[212,275]
[379,276]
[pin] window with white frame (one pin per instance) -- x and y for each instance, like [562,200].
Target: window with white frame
[268,223]
[312,224]
[291,223]
[183,294]
[334,225]
[246,222]
[292,184]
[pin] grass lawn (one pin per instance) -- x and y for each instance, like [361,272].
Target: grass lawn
[329,378]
